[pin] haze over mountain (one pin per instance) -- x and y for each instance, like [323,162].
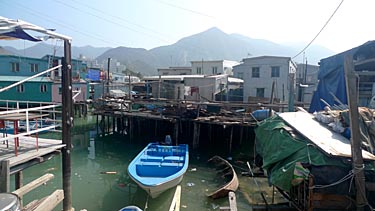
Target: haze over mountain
[212,44]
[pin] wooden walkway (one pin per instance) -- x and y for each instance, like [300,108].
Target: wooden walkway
[28,155]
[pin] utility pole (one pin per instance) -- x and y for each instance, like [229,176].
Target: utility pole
[67,124]
[358,166]
[291,92]
[109,65]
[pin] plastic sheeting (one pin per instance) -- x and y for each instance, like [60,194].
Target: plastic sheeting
[332,78]
[281,150]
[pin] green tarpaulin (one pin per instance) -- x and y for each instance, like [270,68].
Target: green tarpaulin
[281,149]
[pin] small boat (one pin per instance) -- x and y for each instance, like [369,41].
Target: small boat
[226,171]
[159,167]
[130,208]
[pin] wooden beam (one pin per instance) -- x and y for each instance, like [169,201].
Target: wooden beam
[34,184]
[51,201]
[4,176]
[352,95]
[175,205]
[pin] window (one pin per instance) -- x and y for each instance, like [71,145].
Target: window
[214,70]
[60,90]
[199,70]
[20,88]
[43,88]
[240,75]
[275,73]
[15,66]
[34,67]
[255,72]
[260,92]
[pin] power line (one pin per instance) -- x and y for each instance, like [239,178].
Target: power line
[329,19]
[186,9]
[110,21]
[118,17]
[50,19]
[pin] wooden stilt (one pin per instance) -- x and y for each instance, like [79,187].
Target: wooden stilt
[196,135]
[209,133]
[156,128]
[241,134]
[4,176]
[231,140]
[19,182]
[176,128]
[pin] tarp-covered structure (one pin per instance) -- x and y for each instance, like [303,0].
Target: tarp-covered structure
[332,76]
[289,158]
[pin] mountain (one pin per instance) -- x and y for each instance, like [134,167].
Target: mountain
[212,44]
[41,49]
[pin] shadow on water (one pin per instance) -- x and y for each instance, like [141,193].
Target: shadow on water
[100,181]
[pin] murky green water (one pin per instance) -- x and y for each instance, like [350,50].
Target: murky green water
[95,191]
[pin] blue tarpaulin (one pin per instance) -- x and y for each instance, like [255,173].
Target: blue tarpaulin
[332,78]
[93,75]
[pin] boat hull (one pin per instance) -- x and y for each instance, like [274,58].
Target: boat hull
[158,168]
[155,191]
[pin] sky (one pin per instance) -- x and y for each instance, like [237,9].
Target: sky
[152,23]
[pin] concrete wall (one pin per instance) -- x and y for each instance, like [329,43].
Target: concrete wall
[265,64]
[83,96]
[208,87]
[175,71]
[24,65]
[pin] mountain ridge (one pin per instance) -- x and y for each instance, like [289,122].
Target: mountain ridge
[211,44]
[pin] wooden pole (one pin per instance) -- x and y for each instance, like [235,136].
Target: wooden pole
[358,166]
[19,183]
[4,176]
[176,128]
[271,99]
[291,92]
[67,124]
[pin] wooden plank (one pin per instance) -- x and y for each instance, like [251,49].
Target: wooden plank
[51,201]
[329,141]
[232,201]
[4,176]
[175,205]
[34,184]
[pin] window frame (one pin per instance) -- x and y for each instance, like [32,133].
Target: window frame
[255,72]
[43,88]
[20,88]
[263,90]
[34,67]
[15,66]
[275,71]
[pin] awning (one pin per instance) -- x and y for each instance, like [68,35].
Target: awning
[16,29]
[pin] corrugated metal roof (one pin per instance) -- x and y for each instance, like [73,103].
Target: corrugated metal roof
[19,78]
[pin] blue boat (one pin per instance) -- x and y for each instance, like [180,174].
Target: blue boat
[130,208]
[158,168]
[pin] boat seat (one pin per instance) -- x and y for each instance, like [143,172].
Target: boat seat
[173,158]
[179,164]
[151,159]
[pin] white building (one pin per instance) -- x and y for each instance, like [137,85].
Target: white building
[259,73]
[174,71]
[215,67]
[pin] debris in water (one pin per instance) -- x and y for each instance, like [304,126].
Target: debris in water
[108,172]
[190,184]
[193,169]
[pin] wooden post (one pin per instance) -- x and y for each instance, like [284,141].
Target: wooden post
[241,134]
[272,97]
[130,128]
[67,124]
[97,124]
[4,176]
[196,135]
[209,133]
[156,127]
[291,92]
[19,182]
[231,140]
[176,128]
[358,166]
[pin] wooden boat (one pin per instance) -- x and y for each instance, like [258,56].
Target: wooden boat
[159,167]
[130,208]
[226,171]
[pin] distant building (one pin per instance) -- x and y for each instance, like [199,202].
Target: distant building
[175,71]
[259,73]
[306,81]
[214,67]
[193,87]
[43,88]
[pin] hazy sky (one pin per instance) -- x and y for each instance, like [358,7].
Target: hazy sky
[152,23]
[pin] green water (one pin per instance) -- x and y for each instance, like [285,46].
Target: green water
[94,191]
